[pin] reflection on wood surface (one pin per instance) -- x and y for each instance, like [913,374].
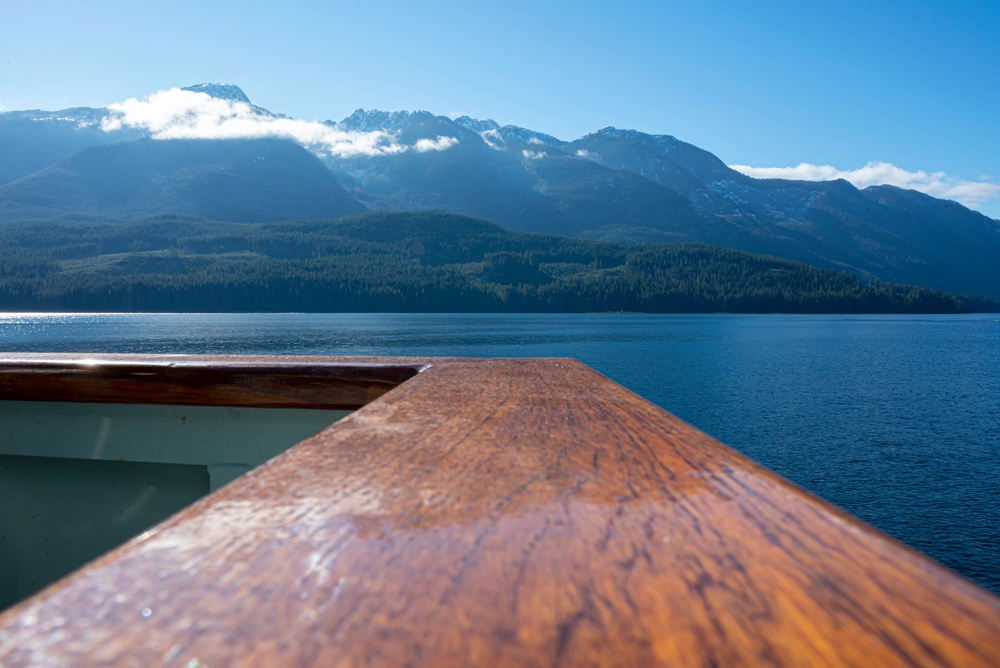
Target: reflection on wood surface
[506,512]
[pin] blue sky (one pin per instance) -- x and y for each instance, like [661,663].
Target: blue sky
[915,85]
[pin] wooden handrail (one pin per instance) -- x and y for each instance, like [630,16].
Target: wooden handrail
[498,512]
[270,383]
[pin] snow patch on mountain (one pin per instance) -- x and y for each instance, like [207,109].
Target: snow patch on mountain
[478,126]
[83,117]
[493,139]
[513,133]
[493,133]
[488,130]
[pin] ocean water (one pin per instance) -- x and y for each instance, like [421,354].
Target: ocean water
[893,418]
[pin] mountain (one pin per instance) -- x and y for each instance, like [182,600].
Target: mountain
[883,231]
[628,186]
[32,140]
[221,91]
[510,176]
[247,180]
[232,93]
[612,185]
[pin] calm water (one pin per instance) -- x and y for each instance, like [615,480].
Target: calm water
[894,418]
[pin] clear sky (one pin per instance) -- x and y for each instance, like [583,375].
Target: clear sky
[764,84]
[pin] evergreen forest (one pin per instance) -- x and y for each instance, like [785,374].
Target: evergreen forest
[412,262]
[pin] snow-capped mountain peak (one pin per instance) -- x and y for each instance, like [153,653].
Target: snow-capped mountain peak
[611,131]
[370,120]
[513,133]
[665,141]
[221,91]
[476,125]
[493,133]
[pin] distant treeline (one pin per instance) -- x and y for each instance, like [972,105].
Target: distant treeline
[412,262]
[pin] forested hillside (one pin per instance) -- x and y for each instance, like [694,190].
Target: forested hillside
[412,262]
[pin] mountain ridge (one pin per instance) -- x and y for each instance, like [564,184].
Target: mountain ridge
[612,185]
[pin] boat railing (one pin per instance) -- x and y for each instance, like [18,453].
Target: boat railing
[455,512]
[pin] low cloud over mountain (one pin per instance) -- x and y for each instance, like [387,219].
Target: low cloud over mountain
[970,193]
[211,111]
[190,114]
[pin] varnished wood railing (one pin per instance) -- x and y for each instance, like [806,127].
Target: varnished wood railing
[483,512]
[202,381]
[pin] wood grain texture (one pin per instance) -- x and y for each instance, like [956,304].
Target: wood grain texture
[272,383]
[509,512]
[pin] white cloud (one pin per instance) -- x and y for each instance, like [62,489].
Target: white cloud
[439,144]
[181,114]
[970,193]
[535,140]
[533,155]
[582,153]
